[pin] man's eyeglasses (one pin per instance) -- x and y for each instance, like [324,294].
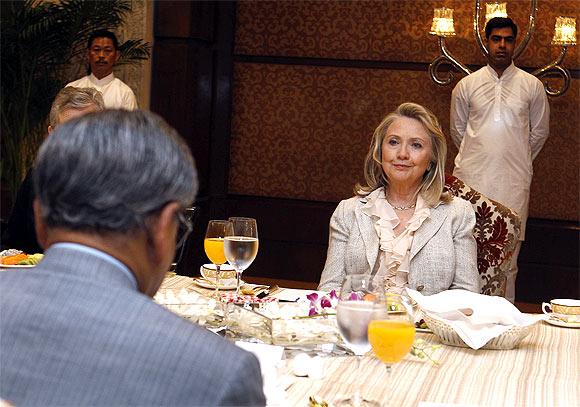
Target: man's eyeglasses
[185,226]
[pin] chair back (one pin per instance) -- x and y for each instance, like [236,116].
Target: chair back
[496,231]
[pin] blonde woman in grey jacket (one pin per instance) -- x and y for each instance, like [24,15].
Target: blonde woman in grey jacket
[401,226]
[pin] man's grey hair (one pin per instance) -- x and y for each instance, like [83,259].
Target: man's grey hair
[74,99]
[109,171]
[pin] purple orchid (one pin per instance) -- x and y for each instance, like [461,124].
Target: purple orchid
[318,305]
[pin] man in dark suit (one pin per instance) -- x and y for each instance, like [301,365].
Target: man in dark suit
[81,328]
[69,103]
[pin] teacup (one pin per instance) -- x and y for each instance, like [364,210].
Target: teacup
[563,308]
[227,272]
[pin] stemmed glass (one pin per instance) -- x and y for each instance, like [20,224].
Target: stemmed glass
[213,245]
[241,247]
[360,297]
[392,330]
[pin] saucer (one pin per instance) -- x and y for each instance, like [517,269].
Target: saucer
[557,322]
[229,284]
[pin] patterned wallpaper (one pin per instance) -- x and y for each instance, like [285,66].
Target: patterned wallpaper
[393,30]
[302,131]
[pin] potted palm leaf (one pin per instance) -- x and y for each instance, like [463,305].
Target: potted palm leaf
[43,44]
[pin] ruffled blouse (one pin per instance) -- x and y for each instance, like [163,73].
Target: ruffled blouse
[394,250]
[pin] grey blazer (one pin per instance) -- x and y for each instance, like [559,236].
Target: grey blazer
[443,252]
[75,332]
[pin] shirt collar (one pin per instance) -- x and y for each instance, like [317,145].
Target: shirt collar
[103,81]
[509,71]
[100,254]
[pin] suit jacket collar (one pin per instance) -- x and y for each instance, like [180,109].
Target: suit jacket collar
[429,227]
[368,233]
[371,240]
[86,266]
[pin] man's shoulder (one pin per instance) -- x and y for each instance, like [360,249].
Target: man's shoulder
[474,76]
[528,77]
[81,82]
[122,85]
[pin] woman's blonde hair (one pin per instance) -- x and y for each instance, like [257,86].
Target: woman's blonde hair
[431,188]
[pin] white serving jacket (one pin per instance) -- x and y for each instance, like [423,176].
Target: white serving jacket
[499,125]
[116,94]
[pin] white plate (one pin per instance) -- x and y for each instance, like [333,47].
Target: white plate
[224,285]
[557,322]
[17,266]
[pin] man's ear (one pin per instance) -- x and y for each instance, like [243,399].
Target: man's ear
[39,225]
[50,129]
[117,55]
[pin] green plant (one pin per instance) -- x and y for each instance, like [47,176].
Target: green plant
[40,41]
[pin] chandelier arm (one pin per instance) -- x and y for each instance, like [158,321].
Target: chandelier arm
[530,31]
[454,61]
[552,68]
[434,66]
[477,31]
[445,57]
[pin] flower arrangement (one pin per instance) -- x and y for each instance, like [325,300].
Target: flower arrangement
[319,305]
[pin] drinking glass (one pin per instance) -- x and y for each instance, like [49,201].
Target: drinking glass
[392,330]
[241,247]
[213,245]
[360,297]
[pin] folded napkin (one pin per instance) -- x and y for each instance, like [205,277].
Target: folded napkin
[492,316]
[270,358]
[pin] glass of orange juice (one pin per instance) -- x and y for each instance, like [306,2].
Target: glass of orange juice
[213,245]
[392,330]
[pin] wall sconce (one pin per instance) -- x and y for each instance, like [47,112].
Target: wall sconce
[442,27]
[493,10]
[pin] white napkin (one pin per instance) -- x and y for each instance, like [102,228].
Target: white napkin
[491,316]
[270,358]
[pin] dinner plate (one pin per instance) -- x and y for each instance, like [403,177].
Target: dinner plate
[224,285]
[17,266]
[557,322]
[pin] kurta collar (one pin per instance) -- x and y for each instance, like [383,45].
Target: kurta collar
[509,71]
[102,82]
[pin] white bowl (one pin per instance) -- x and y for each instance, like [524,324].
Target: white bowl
[227,272]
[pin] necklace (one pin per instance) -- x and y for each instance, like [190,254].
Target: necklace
[402,208]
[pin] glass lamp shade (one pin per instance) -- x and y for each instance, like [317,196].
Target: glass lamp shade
[564,31]
[495,10]
[442,22]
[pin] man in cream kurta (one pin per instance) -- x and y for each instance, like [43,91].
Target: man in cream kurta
[103,53]
[500,121]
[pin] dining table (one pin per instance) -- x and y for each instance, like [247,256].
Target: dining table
[543,370]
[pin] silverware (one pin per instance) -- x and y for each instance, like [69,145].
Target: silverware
[268,291]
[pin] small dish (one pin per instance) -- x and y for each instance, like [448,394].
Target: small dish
[424,330]
[207,271]
[229,284]
[557,322]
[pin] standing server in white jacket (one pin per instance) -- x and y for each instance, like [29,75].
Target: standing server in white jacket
[102,54]
[500,120]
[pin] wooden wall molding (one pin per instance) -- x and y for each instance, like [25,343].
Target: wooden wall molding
[363,63]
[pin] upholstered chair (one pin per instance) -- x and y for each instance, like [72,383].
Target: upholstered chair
[496,231]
